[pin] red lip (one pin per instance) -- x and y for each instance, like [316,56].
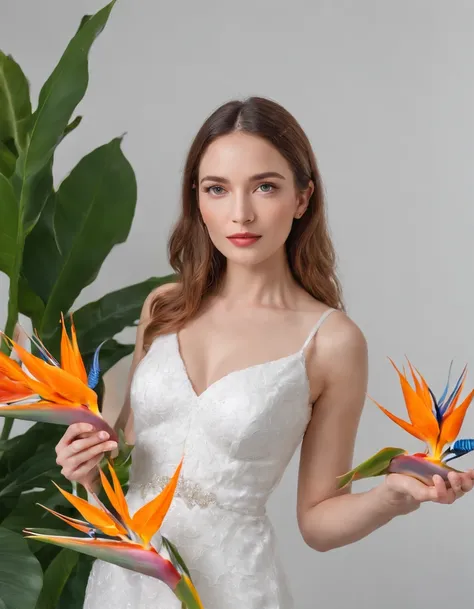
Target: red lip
[243,236]
[243,239]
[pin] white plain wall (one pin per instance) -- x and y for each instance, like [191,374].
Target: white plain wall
[385,91]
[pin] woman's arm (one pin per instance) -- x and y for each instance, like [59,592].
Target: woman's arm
[125,419]
[329,518]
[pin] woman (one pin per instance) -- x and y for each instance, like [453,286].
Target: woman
[249,354]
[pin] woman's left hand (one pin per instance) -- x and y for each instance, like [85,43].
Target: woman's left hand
[408,493]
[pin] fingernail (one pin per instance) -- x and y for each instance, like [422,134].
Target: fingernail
[103,435]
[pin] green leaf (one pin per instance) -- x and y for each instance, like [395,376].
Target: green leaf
[55,578]
[41,256]
[75,588]
[20,572]
[59,96]
[97,321]
[36,136]
[36,439]
[58,99]
[28,513]
[176,558]
[8,227]
[94,210]
[14,102]
[38,470]
[376,465]
[29,303]
[72,125]
[38,189]
[7,160]
[125,450]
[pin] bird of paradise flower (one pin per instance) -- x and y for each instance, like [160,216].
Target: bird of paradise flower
[436,422]
[49,391]
[127,541]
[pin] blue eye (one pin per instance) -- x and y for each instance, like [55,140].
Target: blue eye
[215,190]
[267,187]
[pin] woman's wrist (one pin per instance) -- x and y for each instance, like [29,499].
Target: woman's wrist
[391,502]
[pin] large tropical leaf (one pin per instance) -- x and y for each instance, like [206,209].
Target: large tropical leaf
[55,578]
[20,572]
[36,136]
[20,448]
[58,99]
[104,318]
[28,462]
[38,470]
[94,210]
[42,252]
[29,303]
[8,226]
[28,513]
[73,594]
[7,159]
[14,101]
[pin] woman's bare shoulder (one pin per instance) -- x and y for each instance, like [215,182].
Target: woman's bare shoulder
[340,331]
[164,288]
[341,345]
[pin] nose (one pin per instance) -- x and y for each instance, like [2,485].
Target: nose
[242,209]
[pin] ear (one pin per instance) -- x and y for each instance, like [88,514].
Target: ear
[303,199]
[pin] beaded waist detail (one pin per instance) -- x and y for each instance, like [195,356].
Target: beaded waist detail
[191,493]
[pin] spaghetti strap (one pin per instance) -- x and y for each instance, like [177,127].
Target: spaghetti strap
[319,323]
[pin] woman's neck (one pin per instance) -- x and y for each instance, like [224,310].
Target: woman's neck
[267,284]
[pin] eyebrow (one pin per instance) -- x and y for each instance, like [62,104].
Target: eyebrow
[254,178]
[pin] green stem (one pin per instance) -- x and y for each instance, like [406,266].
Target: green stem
[9,329]
[12,320]
[7,427]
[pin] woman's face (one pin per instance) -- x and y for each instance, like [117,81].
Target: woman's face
[247,197]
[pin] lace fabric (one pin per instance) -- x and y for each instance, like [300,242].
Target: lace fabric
[239,436]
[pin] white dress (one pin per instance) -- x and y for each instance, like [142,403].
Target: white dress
[240,435]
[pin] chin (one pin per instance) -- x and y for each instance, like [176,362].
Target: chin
[250,256]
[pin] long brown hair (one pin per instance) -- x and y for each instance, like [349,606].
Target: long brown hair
[199,266]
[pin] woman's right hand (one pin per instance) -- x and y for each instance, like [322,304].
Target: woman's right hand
[80,450]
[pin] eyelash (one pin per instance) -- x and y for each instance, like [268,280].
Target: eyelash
[273,186]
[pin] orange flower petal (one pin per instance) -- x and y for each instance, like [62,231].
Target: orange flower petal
[71,359]
[452,423]
[421,387]
[12,391]
[66,348]
[57,380]
[411,429]
[148,519]
[81,369]
[97,517]
[118,502]
[77,524]
[421,417]
[123,510]
[11,369]
[13,372]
